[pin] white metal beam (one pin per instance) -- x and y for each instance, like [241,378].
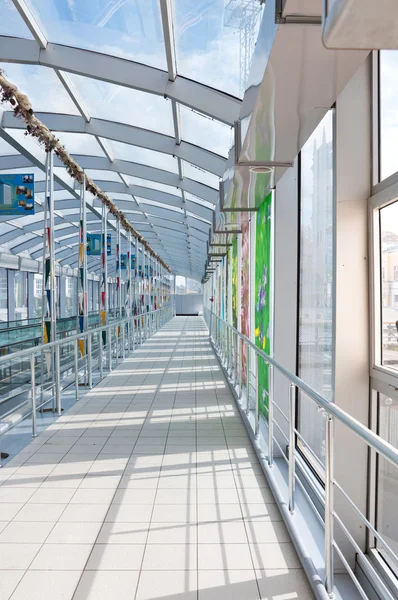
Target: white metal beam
[127,73]
[31,22]
[127,134]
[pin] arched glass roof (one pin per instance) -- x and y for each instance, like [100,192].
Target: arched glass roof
[143,94]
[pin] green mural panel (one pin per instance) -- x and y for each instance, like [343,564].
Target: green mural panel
[235,283]
[263,295]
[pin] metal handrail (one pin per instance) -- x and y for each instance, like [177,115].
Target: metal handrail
[372,439]
[224,332]
[144,325]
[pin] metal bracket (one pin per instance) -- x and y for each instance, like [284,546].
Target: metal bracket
[294,19]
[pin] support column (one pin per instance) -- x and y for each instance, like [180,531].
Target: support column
[118,307]
[104,280]
[82,298]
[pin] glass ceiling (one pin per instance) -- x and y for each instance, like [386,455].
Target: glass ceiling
[132,110]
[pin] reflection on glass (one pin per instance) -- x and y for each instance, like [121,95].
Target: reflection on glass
[21,295]
[37,294]
[215,41]
[125,105]
[205,132]
[125,29]
[70,297]
[316,278]
[3,295]
[388,112]
[387,492]
[389,278]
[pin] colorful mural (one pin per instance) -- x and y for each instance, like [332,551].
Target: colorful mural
[262,309]
[245,292]
[235,283]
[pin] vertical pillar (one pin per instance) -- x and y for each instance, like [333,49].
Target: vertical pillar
[31,295]
[11,294]
[104,278]
[82,298]
[118,303]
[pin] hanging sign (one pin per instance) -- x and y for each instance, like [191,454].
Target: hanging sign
[133,262]
[123,261]
[94,243]
[108,244]
[17,194]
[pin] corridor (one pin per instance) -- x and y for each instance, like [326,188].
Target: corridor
[147,488]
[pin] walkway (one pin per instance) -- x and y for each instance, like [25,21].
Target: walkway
[146,489]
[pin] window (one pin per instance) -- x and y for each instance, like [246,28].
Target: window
[3,295]
[387,479]
[388,218]
[70,297]
[388,113]
[315,350]
[37,294]
[21,295]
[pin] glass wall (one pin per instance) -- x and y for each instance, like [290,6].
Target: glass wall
[37,294]
[387,480]
[388,113]
[389,287]
[3,295]
[70,296]
[315,351]
[21,295]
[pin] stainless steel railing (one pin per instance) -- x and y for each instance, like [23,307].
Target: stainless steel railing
[120,339]
[231,345]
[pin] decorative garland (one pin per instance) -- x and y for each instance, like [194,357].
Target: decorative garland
[34,127]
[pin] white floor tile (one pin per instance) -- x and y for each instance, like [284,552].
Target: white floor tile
[17,556]
[123,533]
[126,557]
[165,585]
[107,585]
[28,533]
[170,557]
[223,532]
[84,513]
[74,533]
[283,584]
[8,582]
[274,556]
[224,557]
[47,585]
[61,557]
[228,585]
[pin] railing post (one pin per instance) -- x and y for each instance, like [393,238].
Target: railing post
[58,381]
[77,369]
[109,337]
[329,506]
[90,362]
[256,403]
[100,358]
[270,415]
[248,381]
[240,342]
[292,456]
[33,393]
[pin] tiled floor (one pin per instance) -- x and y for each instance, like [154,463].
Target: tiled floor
[146,489]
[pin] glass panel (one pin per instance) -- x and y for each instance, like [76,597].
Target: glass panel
[3,295]
[154,185]
[21,295]
[29,143]
[205,132]
[143,202]
[387,488]
[6,149]
[151,158]
[126,29]
[37,294]
[388,112]
[102,175]
[215,41]
[11,23]
[197,174]
[124,105]
[70,297]
[198,200]
[38,173]
[316,279]
[45,91]
[389,275]
[80,143]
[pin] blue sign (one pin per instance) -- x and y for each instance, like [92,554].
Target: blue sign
[123,261]
[17,194]
[108,244]
[94,243]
